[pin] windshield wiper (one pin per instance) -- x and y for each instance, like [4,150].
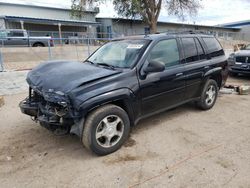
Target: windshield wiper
[106,65]
[88,61]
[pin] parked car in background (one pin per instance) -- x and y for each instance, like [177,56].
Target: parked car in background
[18,37]
[123,82]
[239,62]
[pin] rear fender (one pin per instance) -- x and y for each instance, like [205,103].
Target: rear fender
[210,74]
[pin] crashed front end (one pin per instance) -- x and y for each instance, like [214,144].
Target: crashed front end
[52,110]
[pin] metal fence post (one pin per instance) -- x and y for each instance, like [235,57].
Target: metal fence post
[1,58]
[49,48]
[88,46]
[77,52]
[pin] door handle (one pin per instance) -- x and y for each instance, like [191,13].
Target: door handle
[179,74]
[206,67]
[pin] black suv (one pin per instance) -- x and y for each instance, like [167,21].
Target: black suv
[123,82]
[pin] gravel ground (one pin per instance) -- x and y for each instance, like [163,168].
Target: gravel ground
[184,147]
[13,82]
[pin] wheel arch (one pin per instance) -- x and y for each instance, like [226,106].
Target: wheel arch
[214,74]
[123,98]
[217,78]
[35,43]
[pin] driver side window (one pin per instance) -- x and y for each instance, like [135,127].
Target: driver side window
[165,51]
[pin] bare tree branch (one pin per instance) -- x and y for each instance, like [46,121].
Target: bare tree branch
[147,10]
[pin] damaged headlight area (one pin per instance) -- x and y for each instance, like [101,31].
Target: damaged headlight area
[51,109]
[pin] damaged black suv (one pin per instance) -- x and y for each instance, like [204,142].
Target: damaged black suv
[124,81]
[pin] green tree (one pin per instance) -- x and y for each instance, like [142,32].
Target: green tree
[147,10]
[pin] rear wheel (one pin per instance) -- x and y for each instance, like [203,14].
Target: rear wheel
[106,129]
[38,45]
[209,95]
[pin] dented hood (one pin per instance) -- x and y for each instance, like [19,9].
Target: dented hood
[64,76]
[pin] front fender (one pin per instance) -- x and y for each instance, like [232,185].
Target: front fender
[111,96]
[124,94]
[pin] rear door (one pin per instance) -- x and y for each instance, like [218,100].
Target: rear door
[162,90]
[196,64]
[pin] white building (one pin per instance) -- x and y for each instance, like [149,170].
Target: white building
[46,20]
[244,27]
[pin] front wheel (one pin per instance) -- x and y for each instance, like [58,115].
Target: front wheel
[209,95]
[106,129]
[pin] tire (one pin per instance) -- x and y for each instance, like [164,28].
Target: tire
[106,129]
[209,95]
[38,45]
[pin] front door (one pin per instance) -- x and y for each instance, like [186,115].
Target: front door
[165,89]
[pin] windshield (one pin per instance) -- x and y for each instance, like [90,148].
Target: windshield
[122,53]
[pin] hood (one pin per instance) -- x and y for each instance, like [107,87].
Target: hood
[64,76]
[243,53]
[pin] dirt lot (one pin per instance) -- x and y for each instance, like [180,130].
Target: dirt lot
[180,148]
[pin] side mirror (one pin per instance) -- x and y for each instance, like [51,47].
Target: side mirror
[154,66]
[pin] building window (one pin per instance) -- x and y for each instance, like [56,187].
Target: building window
[146,30]
[109,31]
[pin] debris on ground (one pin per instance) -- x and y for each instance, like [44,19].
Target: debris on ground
[229,89]
[8,158]
[1,101]
[244,90]
[241,90]
[226,91]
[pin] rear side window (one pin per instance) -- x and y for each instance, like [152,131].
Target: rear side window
[213,46]
[165,51]
[15,34]
[200,50]
[190,50]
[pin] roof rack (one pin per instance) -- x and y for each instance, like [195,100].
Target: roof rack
[187,32]
[180,32]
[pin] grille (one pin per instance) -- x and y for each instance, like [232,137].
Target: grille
[243,59]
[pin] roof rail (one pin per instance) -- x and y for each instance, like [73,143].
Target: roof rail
[187,32]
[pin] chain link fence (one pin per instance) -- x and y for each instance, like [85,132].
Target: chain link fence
[73,47]
[26,57]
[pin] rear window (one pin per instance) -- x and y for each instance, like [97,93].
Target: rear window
[213,46]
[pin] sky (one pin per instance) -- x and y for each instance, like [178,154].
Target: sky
[213,12]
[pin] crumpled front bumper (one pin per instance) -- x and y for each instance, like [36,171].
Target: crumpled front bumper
[51,115]
[29,108]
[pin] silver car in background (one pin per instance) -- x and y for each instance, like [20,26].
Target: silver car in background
[19,37]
